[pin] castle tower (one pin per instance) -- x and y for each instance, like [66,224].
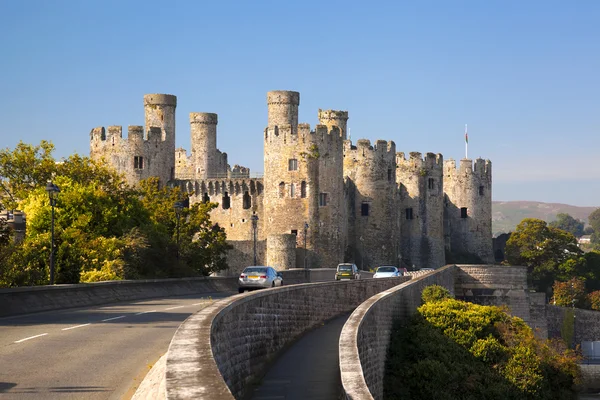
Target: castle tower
[283,108]
[204,144]
[468,209]
[421,209]
[159,110]
[372,202]
[331,118]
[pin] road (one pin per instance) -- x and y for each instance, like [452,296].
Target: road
[100,352]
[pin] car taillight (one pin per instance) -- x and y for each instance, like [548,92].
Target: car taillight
[263,277]
[242,276]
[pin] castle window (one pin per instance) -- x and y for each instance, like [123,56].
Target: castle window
[390,174]
[295,232]
[292,164]
[463,212]
[430,183]
[481,190]
[205,198]
[281,190]
[364,209]
[226,201]
[303,189]
[322,199]
[409,213]
[292,190]
[247,200]
[138,162]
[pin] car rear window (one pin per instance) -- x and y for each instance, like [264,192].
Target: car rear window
[255,270]
[344,267]
[386,269]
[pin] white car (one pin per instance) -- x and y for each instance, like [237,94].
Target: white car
[258,277]
[387,271]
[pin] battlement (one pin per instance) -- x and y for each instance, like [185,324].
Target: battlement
[203,118]
[303,133]
[431,161]
[364,146]
[283,97]
[212,187]
[481,168]
[114,134]
[239,171]
[158,99]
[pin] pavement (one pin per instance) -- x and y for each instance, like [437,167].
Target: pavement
[100,352]
[309,369]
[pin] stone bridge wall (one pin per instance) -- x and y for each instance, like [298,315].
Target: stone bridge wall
[219,352]
[365,338]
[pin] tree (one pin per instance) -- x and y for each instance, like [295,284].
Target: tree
[594,220]
[570,294]
[569,224]
[594,300]
[547,252]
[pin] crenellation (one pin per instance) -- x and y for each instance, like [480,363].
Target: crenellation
[362,202]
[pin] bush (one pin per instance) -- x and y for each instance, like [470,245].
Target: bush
[435,293]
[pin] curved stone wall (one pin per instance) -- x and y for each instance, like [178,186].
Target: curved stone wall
[219,352]
[365,338]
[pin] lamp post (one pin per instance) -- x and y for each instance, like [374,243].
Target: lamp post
[305,234]
[254,219]
[178,206]
[53,191]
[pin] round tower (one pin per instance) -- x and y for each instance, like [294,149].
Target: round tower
[281,251]
[371,172]
[468,210]
[421,208]
[204,144]
[331,118]
[159,112]
[283,108]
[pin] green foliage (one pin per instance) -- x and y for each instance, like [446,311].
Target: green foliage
[570,294]
[456,350]
[569,224]
[548,252]
[594,300]
[594,221]
[435,293]
[104,229]
[567,330]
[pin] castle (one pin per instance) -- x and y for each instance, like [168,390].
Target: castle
[322,199]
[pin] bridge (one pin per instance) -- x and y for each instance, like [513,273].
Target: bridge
[229,341]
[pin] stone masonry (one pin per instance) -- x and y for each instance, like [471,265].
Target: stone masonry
[361,203]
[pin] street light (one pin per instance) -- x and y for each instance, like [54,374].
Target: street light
[53,191]
[178,206]
[254,219]
[305,234]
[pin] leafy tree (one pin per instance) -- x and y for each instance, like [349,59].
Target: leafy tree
[570,294]
[456,350]
[569,224]
[594,220]
[5,233]
[594,300]
[547,252]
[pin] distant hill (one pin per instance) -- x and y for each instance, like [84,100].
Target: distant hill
[507,214]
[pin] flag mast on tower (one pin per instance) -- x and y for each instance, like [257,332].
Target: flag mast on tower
[466,142]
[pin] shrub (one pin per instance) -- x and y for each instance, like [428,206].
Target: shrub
[435,293]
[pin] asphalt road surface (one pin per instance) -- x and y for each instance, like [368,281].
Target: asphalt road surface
[100,352]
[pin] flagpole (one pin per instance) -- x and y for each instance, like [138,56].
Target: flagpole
[466,143]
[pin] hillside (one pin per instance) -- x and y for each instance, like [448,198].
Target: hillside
[507,214]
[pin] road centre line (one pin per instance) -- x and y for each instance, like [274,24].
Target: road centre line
[113,318]
[31,337]
[146,312]
[173,308]
[76,326]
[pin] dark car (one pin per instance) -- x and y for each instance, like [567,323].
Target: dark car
[347,271]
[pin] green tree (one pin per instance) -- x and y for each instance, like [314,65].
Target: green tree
[570,293]
[569,224]
[594,221]
[549,253]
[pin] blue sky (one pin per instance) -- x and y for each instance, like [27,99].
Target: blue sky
[525,76]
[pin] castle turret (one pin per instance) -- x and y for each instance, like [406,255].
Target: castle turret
[204,144]
[331,118]
[421,209]
[283,108]
[372,202]
[159,111]
[468,209]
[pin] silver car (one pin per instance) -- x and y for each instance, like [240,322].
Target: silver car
[387,271]
[258,277]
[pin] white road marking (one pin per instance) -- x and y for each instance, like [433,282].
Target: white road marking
[145,312]
[31,337]
[113,318]
[197,304]
[173,308]
[76,326]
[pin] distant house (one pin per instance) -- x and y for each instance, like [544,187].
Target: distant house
[16,221]
[585,239]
